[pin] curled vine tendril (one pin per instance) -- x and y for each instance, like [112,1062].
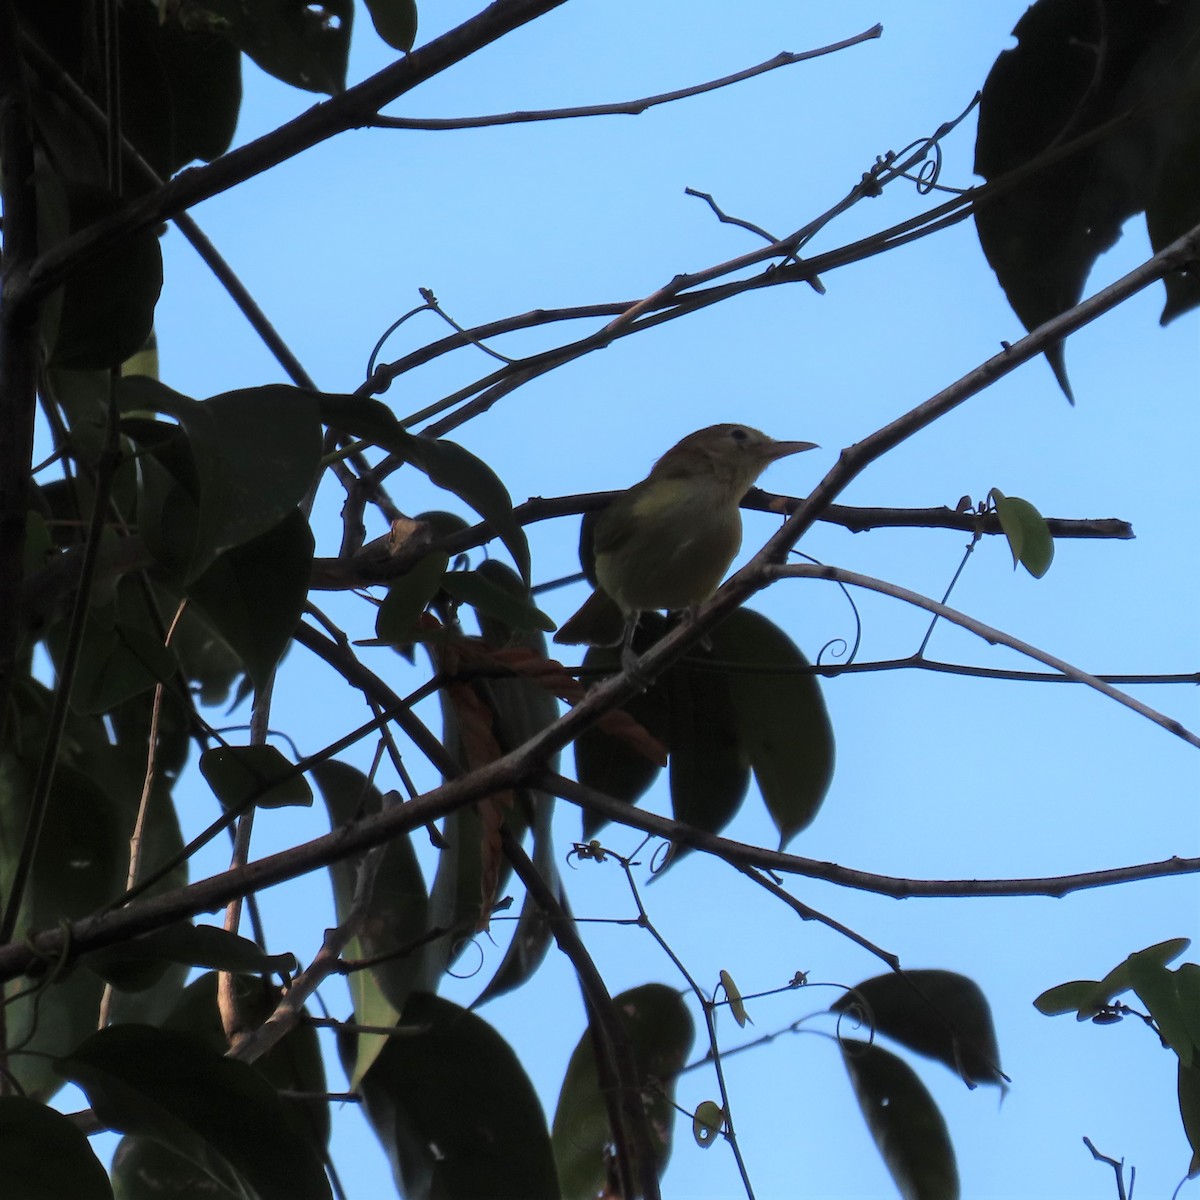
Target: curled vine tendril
[838,641]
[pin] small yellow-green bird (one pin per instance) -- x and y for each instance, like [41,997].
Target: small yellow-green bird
[667,542]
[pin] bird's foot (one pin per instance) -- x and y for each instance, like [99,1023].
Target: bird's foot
[631,665]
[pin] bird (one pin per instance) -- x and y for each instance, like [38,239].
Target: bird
[666,542]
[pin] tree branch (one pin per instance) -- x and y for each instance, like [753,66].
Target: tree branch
[988,632]
[855,459]
[348,110]
[18,342]
[625,107]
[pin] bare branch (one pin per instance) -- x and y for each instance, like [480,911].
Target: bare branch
[988,632]
[348,110]
[631,108]
[855,459]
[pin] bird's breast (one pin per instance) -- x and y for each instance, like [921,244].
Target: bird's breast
[668,546]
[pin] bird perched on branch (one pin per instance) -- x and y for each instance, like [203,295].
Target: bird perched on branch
[667,542]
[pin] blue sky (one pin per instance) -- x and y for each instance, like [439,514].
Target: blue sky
[937,776]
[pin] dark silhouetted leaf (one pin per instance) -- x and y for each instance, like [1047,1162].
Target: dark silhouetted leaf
[782,725]
[938,1013]
[454,1110]
[395,21]
[1076,67]
[447,464]
[45,1156]
[661,1033]
[254,454]
[608,763]
[219,1113]
[253,594]
[124,964]
[708,773]
[406,598]
[1189,1111]
[293,1064]
[1027,533]
[516,611]
[181,89]
[241,775]
[80,866]
[117,660]
[907,1127]
[143,1168]
[108,302]
[306,45]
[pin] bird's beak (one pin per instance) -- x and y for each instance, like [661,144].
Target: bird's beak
[783,449]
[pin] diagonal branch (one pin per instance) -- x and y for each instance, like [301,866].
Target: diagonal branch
[631,108]
[349,110]
[855,459]
[989,633]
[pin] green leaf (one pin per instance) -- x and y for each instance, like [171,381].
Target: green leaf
[1027,532]
[707,1123]
[407,598]
[395,21]
[455,1111]
[254,594]
[395,915]
[475,589]
[736,1007]
[45,1155]
[220,1114]
[938,1013]
[1156,987]
[260,775]
[305,45]
[782,725]
[1066,997]
[661,1033]
[904,1121]
[1120,979]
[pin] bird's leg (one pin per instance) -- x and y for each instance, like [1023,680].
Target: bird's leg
[705,642]
[630,661]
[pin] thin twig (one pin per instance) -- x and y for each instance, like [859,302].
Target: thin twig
[623,107]
[989,634]
[628,1119]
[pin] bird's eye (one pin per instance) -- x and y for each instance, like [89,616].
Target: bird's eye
[738,434]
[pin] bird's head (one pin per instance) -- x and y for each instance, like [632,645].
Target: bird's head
[734,454]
